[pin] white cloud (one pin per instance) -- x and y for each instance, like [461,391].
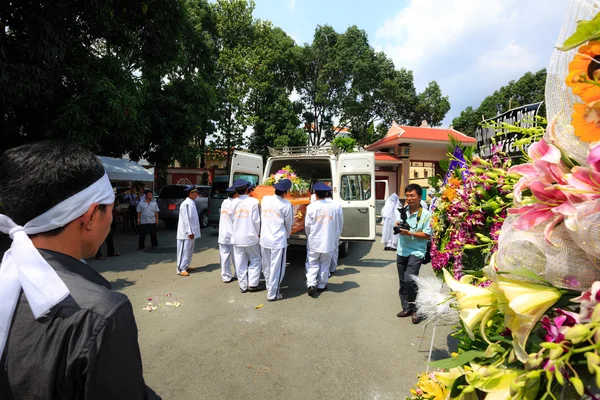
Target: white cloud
[292,4]
[471,47]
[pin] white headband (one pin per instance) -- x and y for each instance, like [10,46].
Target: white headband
[24,267]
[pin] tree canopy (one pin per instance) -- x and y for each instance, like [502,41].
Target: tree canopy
[186,79]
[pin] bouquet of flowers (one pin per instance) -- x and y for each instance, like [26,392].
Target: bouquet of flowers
[530,320]
[300,187]
[469,210]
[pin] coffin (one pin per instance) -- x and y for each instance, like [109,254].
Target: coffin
[299,203]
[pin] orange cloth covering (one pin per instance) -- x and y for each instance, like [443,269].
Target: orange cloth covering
[298,204]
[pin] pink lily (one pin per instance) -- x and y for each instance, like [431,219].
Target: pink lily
[546,166]
[550,198]
[585,182]
[594,158]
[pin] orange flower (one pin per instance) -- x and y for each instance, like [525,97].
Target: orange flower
[586,121]
[584,72]
[454,182]
[449,194]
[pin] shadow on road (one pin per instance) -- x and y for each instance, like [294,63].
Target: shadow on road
[127,243]
[121,284]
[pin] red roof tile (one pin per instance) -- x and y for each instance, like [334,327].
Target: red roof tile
[399,132]
[386,157]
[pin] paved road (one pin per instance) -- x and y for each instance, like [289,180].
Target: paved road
[346,344]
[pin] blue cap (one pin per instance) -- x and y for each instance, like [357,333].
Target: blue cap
[240,183]
[283,185]
[321,187]
[230,189]
[190,188]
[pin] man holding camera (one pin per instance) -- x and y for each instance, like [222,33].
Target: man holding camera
[413,230]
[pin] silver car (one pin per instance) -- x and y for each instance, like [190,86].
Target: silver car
[171,197]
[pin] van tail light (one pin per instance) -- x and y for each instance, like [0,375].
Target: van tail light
[172,207]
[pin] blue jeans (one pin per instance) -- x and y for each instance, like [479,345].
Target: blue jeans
[408,266]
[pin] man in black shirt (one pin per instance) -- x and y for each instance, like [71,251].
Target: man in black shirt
[63,333]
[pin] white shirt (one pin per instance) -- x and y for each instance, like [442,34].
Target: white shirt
[313,198]
[147,212]
[321,225]
[245,222]
[340,211]
[277,218]
[225,227]
[188,223]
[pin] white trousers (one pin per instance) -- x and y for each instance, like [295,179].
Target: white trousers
[334,257]
[273,264]
[317,271]
[226,256]
[247,265]
[185,250]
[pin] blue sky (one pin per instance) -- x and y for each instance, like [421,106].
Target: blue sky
[471,47]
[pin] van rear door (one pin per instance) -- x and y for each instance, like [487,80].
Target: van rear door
[246,166]
[356,174]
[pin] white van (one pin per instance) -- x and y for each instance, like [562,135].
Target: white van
[352,176]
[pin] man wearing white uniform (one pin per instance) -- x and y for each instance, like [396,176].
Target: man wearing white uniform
[389,215]
[320,226]
[225,247]
[277,218]
[245,223]
[340,226]
[188,230]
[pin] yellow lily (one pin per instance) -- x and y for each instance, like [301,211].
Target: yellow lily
[523,304]
[495,382]
[476,304]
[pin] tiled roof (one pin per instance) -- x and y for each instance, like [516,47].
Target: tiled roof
[399,133]
[386,157]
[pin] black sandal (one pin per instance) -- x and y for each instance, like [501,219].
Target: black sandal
[100,257]
[115,254]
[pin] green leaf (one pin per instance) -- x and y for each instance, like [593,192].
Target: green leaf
[459,360]
[586,31]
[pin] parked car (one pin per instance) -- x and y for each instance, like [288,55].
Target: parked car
[215,199]
[171,197]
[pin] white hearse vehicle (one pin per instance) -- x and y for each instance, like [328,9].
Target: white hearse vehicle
[352,176]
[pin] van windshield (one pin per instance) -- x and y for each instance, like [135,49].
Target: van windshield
[217,191]
[312,169]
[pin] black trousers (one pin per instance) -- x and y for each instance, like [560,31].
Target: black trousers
[132,214]
[110,245]
[408,266]
[143,228]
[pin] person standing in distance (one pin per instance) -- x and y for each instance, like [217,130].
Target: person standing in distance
[390,215]
[132,199]
[321,228]
[277,217]
[412,246]
[147,220]
[64,334]
[340,226]
[225,230]
[188,230]
[245,224]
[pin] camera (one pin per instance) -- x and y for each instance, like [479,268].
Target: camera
[403,224]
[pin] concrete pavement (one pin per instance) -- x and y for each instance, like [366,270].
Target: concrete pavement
[346,344]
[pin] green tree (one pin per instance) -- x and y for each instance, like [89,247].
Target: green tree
[467,121]
[70,70]
[274,117]
[431,105]
[345,144]
[236,33]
